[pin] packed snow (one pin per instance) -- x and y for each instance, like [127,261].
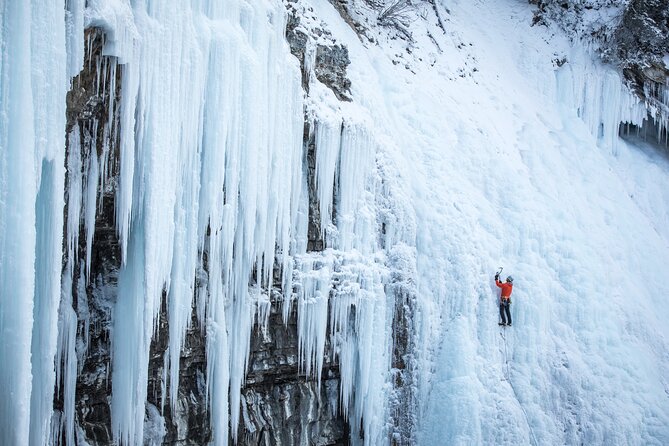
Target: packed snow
[483,142]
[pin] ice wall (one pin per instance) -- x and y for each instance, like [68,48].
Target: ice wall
[33,76]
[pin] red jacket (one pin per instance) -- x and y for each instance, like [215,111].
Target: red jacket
[506,289]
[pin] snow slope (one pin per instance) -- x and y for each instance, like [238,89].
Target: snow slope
[511,160]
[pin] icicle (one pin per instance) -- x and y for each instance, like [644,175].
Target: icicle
[90,197]
[309,60]
[74,191]
[104,163]
[98,75]
[657,102]
[49,77]
[328,140]
[163,382]
[83,315]
[66,357]
[312,313]
[264,305]
[124,191]
[130,346]
[112,65]
[356,217]
[298,244]
[49,215]
[218,355]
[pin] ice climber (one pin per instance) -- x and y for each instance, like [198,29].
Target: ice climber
[505,298]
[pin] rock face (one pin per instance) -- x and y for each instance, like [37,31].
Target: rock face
[633,34]
[329,61]
[641,39]
[279,405]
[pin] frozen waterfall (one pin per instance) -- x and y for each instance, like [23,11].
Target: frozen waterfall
[231,184]
[209,127]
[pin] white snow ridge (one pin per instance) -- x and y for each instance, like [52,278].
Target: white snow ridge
[471,138]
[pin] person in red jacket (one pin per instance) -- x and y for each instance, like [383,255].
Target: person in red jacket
[505,299]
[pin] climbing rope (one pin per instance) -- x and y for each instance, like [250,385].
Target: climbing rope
[506,358]
[508,379]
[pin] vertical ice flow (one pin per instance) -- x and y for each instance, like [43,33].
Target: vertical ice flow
[90,200]
[49,85]
[32,119]
[66,359]
[17,239]
[328,140]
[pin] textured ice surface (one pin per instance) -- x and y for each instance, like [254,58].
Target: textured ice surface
[510,159]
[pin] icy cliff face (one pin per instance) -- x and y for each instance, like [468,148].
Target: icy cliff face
[632,35]
[274,223]
[213,184]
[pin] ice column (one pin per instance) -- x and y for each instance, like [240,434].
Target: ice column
[167,109]
[66,360]
[32,119]
[356,189]
[328,142]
